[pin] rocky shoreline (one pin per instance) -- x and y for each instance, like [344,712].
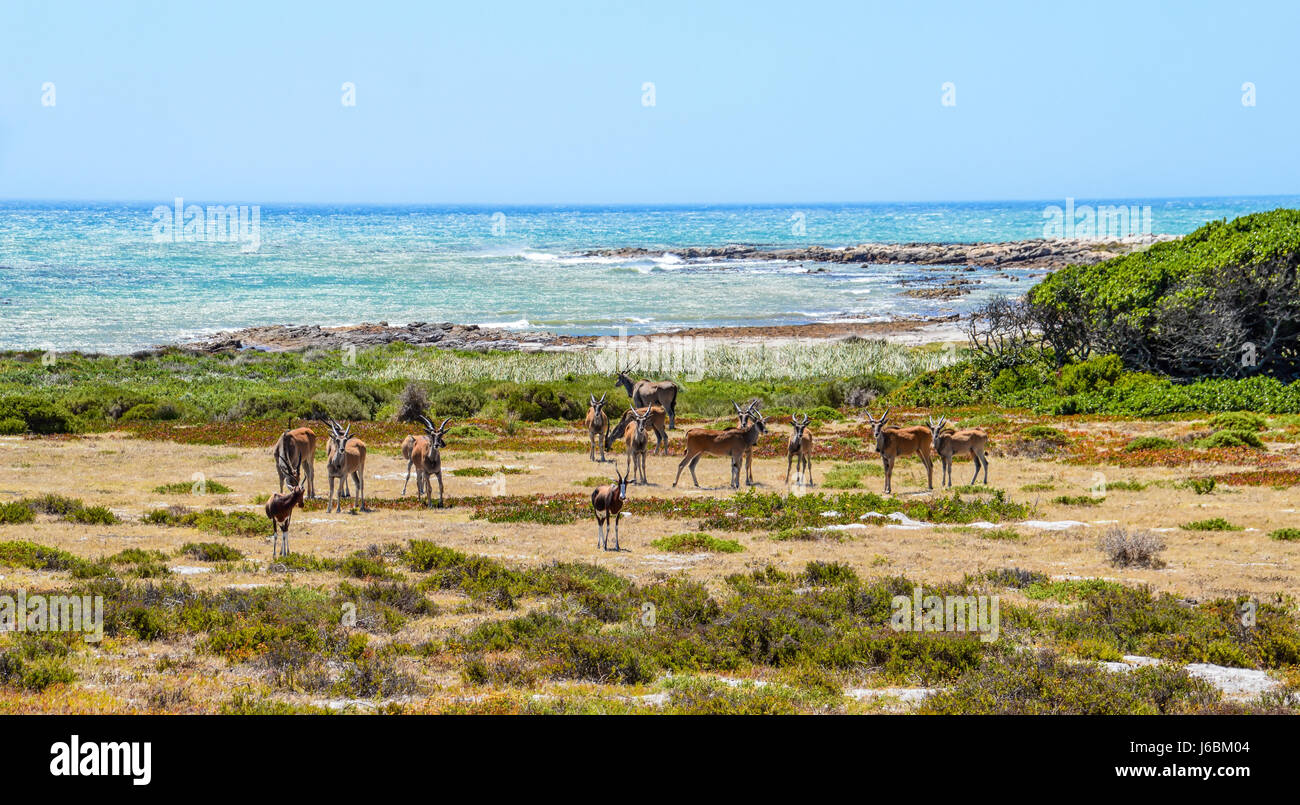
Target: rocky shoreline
[1039,253]
[471,337]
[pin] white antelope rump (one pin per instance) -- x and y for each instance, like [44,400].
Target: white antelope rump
[298,446]
[800,447]
[279,508]
[635,437]
[893,441]
[597,426]
[732,442]
[658,423]
[427,459]
[958,443]
[607,502]
[647,392]
[347,459]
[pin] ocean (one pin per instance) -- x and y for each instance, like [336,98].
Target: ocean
[117,277]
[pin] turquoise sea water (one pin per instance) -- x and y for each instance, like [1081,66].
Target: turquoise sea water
[107,277]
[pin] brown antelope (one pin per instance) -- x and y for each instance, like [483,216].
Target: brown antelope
[279,508]
[658,423]
[893,441]
[731,442]
[800,447]
[408,445]
[742,421]
[597,426]
[957,443]
[607,501]
[636,438]
[298,446]
[428,461]
[646,392]
[347,459]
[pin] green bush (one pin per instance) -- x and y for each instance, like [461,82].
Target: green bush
[697,542]
[1285,534]
[38,416]
[460,402]
[1090,375]
[16,513]
[1230,438]
[12,426]
[1212,524]
[1243,421]
[211,552]
[1150,443]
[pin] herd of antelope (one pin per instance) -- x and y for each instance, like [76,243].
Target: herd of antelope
[653,409]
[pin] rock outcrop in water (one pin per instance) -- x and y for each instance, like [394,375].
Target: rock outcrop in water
[1049,254]
[446,335]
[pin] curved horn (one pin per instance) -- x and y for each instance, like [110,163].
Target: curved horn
[443,426]
[427,424]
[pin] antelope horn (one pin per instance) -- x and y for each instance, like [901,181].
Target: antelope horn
[443,426]
[427,424]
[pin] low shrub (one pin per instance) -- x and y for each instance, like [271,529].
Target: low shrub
[1138,549]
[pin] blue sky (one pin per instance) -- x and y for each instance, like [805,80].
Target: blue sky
[518,103]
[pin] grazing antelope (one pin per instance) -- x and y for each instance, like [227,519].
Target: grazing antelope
[279,508]
[298,446]
[347,458]
[636,438]
[607,501]
[646,392]
[731,442]
[893,441]
[597,426]
[427,459]
[658,423]
[957,443]
[800,447]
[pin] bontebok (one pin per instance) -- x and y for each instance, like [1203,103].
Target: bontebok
[280,506]
[607,502]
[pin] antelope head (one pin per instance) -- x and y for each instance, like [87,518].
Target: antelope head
[621,485]
[799,426]
[598,405]
[435,434]
[878,428]
[338,439]
[640,420]
[936,430]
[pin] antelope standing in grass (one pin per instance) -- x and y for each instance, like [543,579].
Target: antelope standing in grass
[298,446]
[347,459]
[800,447]
[742,421]
[427,459]
[647,392]
[893,441]
[636,438]
[658,423]
[607,501]
[279,508]
[408,445]
[597,426]
[957,443]
[732,442]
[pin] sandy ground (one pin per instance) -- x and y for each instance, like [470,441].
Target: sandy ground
[120,472]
